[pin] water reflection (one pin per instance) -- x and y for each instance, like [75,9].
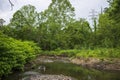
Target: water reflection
[78,72]
[67,69]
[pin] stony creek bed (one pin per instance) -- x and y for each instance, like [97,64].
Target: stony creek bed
[63,68]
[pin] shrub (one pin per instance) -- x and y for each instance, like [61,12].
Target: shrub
[15,53]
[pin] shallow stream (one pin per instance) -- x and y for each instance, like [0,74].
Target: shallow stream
[64,67]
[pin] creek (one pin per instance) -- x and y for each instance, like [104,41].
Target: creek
[64,67]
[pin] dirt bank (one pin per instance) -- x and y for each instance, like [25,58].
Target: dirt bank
[102,64]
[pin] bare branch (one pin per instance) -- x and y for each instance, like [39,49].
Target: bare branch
[11,4]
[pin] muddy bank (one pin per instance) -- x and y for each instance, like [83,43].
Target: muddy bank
[102,64]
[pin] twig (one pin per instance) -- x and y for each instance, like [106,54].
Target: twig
[11,4]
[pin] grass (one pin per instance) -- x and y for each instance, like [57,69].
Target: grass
[99,53]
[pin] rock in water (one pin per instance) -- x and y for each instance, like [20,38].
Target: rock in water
[42,68]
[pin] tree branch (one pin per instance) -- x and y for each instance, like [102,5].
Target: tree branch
[11,4]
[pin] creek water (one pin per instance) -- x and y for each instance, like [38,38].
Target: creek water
[61,67]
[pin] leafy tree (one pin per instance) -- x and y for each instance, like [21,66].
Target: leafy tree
[58,15]
[109,29]
[114,9]
[79,34]
[30,15]
[24,22]
[26,16]
[59,12]
[104,33]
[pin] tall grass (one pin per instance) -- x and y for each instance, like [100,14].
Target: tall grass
[99,52]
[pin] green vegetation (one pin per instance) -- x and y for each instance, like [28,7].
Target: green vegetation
[85,53]
[57,32]
[15,53]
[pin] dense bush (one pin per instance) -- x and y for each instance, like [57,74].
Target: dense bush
[15,53]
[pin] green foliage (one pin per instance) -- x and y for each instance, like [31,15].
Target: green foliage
[79,34]
[114,10]
[56,27]
[23,24]
[26,16]
[104,32]
[109,26]
[100,52]
[85,53]
[53,20]
[15,53]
